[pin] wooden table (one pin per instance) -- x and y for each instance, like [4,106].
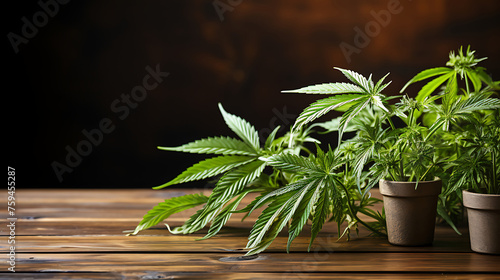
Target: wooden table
[79,234]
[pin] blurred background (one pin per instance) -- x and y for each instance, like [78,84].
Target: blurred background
[134,75]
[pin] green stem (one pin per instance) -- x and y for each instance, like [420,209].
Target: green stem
[467,85]
[349,206]
[494,174]
[401,166]
[427,171]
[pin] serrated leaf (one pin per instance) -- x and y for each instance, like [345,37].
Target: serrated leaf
[231,183]
[268,225]
[208,168]
[323,106]
[302,213]
[328,88]
[198,220]
[278,192]
[351,113]
[170,206]
[267,216]
[242,128]
[292,163]
[358,79]
[321,212]
[215,145]
[221,219]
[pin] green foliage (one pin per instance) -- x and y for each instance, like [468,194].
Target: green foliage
[238,165]
[452,133]
[477,166]
[169,207]
[355,97]
[313,197]
[459,65]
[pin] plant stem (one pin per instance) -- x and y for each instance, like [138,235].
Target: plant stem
[467,86]
[494,174]
[349,206]
[422,178]
[390,122]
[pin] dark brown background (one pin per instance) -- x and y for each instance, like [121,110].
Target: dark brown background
[65,79]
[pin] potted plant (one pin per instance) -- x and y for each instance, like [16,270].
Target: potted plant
[407,161]
[396,145]
[471,120]
[477,174]
[401,159]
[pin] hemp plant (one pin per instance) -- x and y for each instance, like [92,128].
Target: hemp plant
[301,186]
[464,126]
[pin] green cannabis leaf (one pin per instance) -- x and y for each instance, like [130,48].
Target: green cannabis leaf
[463,65]
[239,165]
[169,207]
[313,197]
[350,97]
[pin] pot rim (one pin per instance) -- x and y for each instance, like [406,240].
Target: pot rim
[428,181]
[407,189]
[482,201]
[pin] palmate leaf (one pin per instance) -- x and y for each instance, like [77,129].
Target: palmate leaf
[221,219]
[229,186]
[365,92]
[242,128]
[208,168]
[274,218]
[170,206]
[215,145]
[461,107]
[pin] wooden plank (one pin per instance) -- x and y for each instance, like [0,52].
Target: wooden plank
[70,234]
[267,262]
[229,239]
[246,276]
[116,226]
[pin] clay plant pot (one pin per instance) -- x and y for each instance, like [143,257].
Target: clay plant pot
[410,213]
[483,211]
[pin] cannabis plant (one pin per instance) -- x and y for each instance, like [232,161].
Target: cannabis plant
[477,168]
[238,164]
[301,187]
[447,131]
[462,127]
[417,149]
[395,153]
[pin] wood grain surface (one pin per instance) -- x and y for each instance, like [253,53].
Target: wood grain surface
[81,234]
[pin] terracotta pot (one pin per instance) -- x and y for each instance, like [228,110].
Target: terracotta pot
[410,213]
[483,211]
